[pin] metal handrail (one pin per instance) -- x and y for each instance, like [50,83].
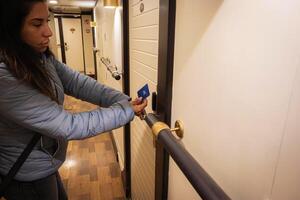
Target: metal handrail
[113,69]
[205,186]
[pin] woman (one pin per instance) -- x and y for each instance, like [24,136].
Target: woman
[32,87]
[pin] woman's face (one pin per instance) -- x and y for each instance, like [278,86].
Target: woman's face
[36,31]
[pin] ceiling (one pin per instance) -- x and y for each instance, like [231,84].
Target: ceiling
[71,6]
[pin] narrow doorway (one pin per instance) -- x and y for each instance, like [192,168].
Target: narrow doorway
[75,42]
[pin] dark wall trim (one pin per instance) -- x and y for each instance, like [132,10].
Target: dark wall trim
[126,90]
[71,13]
[62,41]
[87,12]
[94,45]
[167,13]
[68,15]
[83,52]
[165,59]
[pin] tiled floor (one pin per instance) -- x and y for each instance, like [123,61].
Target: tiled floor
[91,171]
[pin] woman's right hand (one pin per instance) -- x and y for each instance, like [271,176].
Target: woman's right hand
[138,106]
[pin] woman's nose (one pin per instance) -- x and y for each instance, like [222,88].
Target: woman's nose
[47,31]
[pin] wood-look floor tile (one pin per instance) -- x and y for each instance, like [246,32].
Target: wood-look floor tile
[91,171]
[92,158]
[119,198]
[111,157]
[106,191]
[91,147]
[104,175]
[83,168]
[84,197]
[108,146]
[114,170]
[117,188]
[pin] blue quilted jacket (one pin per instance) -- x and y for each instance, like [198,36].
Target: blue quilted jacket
[24,111]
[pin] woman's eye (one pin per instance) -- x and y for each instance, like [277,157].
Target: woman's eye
[36,24]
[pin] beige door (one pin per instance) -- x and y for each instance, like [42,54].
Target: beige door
[143,24]
[73,43]
[88,44]
[58,43]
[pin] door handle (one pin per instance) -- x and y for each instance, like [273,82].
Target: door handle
[154,101]
[66,46]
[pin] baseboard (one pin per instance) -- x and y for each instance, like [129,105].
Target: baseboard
[114,146]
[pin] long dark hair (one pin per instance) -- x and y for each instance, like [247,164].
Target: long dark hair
[22,60]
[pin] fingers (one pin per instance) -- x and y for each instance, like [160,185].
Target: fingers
[143,104]
[142,115]
[137,101]
[139,108]
[139,105]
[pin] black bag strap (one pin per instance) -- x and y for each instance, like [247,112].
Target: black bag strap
[15,168]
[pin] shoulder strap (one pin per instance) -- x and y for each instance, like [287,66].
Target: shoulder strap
[15,168]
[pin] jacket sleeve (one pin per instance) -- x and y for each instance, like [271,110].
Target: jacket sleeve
[86,88]
[26,106]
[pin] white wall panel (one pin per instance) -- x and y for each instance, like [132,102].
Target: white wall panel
[148,72]
[146,19]
[287,179]
[234,88]
[145,46]
[148,5]
[133,2]
[145,33]
[145,58]
[143,69]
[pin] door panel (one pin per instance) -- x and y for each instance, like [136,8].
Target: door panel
[73,43]
[143,69]
[145,5]
[145,33]
[145,46]
[146,19]
[145,58]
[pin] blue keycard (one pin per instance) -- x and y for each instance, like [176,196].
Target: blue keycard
[144,92]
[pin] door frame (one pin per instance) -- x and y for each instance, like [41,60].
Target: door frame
[126,175]
[61,35]
[167,13]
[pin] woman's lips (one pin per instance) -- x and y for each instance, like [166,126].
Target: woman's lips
[45,43]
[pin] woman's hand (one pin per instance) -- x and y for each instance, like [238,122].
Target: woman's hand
[138,106]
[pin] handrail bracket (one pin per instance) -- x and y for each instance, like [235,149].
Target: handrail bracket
[159,126]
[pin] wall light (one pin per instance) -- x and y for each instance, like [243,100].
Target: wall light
[53,2]
[111,3]
[87,4]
